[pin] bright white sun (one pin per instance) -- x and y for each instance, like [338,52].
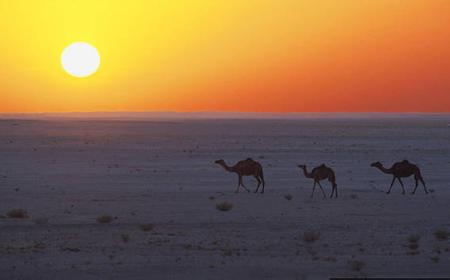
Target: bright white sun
[80,59]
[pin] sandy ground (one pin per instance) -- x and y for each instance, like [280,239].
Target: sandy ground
[162,173]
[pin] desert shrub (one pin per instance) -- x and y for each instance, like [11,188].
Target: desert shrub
[147,227]
[40,220]
[125,237]
[441,234]
[311,236]
[224,206]
[104,219]
[413,246]
[435,259]
[356,265]
[288,196]
[413,238]
[17,213]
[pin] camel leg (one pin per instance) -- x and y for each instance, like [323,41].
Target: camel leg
[390,188]
[323,192]
[423,183]
[263,184]
[239,184]
[415,188]
[401,183]
[333,190]
[314,187]
[259,183]
[242,184]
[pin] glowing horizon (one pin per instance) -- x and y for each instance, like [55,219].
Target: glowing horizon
[237,56]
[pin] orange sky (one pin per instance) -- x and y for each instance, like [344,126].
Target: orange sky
[253,55]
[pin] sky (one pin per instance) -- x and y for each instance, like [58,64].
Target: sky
[228,56]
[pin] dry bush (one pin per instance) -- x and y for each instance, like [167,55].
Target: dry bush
[435,259]
[147,227]
[40,220]
[356,265]
[413,246]
[441,234]
[17,213]
[125,237]
[311,236]
[104,219]
[288,196]
[224,206]
[413,238]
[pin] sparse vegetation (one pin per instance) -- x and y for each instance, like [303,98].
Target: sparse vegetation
[125,237]
[435,259]
[356,265]
[413,238]
[104,219]
[40,220]
[17,213]
[288,196]
[224,206]
[311,236]
[147,227]
[413,246]
[441,234]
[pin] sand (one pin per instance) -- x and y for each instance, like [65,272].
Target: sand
[67,173]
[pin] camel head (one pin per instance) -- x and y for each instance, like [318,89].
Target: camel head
[376,164]
[301,166]
[220,161]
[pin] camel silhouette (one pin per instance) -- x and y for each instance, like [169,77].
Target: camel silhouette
[247,167]
[402,169]
[320,173]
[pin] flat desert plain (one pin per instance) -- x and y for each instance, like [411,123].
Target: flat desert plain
[137,199]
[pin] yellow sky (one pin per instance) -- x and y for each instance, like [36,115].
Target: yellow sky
[252,55]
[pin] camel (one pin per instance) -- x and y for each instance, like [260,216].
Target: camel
[402,169]
[320,173]
[247,167]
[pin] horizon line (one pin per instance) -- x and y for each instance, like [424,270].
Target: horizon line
[149,115]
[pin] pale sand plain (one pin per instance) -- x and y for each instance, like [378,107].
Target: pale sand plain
[66,173]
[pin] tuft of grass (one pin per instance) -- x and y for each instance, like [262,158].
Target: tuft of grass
[435,259]
[125,237]
[311,236]
[288,196]
[413,238]
[104,219]
[147,227]
[356,265]
[17,213]
[442,234]
[40,220]
[224,206]
[413,246]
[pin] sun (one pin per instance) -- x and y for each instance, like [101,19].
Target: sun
[80,59]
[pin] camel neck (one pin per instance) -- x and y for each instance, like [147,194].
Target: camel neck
[226,167]
[305,171]
[383,169]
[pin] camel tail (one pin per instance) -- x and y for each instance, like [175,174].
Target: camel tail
[332,178]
